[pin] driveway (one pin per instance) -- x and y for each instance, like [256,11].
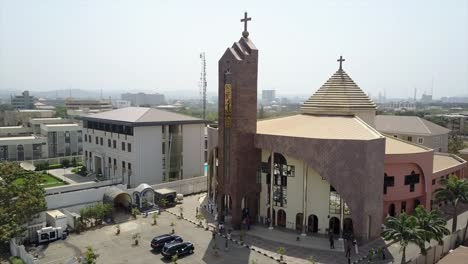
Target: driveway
[120,249]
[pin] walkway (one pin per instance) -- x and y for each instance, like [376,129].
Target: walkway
[268,241]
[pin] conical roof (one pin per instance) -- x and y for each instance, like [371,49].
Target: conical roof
[339,95]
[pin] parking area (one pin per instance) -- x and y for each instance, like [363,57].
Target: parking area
[114,248]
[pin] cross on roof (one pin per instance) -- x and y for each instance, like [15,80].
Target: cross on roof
[246,19]
[341,62]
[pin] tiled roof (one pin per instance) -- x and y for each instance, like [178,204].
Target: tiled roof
[318,126]
[142,115]
[411,125]
[396,146]
[339,94]
[443,161]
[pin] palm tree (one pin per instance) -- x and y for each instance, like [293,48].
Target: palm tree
[432,223]
[454,191]
[405,230]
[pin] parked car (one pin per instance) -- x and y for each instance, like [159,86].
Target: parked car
[177,248]
[158,242]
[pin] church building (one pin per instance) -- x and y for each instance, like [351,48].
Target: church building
[324,169]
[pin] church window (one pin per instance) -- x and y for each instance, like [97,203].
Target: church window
[412,180]
[389,181]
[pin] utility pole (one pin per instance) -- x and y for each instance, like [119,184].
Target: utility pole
[202,84]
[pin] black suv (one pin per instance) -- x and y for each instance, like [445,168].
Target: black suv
[178,249]
[158,242]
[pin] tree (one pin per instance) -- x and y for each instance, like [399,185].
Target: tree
[454,191]
[261,112]
[90,256]
[432,223]
[455,144]
[281,252]
[404,229]
[19,203]
[61,111]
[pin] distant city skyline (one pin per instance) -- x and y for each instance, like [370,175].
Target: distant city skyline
[154,46]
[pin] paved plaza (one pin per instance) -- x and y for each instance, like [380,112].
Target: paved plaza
[268,241]
[120,249]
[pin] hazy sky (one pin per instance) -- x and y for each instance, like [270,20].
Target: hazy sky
[154,45]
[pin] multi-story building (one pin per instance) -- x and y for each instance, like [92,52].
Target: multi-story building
[140,99]
[414,129]
[23,101]
[88,104]
[41,138]
[458,123]
[268,96]
[20,117]
[143,145]
[121,103]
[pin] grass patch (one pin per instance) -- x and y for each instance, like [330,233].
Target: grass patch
[16,260]
[46,179]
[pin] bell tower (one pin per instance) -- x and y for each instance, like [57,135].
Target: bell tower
[238,159]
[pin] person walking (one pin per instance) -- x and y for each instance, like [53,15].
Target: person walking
[356,249]
[331,239]
[348,249]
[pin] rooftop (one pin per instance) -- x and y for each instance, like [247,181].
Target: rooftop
[61,125]
[443,161]
[143,116]
[46,118]
[411,125]
[18,138]
[396,146]
[7,127]
[314,126]
[340,94]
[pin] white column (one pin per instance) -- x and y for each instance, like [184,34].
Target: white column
[341,215]
[304,199]
[272,169]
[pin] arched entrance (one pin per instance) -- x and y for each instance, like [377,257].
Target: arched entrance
[391,210]
[348,229]
[118,198]
[312,224]
[299,219]
[271,218]
[281,218]
[334,225]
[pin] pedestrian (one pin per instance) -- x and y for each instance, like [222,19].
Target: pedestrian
[213,235]
[331,239]
[348,249]
[356,249]
[196,210]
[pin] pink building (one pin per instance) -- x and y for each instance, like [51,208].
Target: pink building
[412,173]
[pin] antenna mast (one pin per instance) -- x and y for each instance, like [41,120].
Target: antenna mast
[202,84]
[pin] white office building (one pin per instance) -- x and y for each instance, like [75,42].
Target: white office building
[143,145]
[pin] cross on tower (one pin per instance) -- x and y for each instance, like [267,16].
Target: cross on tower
[246,19]
[341,62]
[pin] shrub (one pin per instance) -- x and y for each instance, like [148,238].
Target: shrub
[74,162]
[16,260]
[65,163]
[55,166]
